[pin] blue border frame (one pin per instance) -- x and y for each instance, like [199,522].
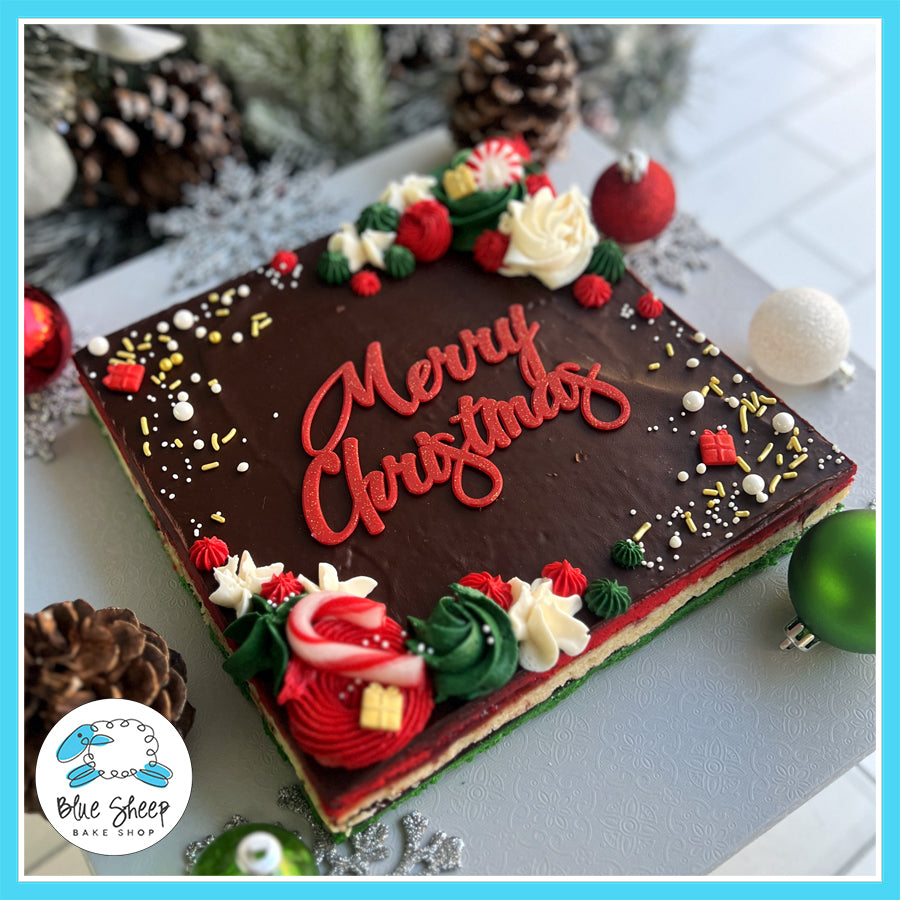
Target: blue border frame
[165,10]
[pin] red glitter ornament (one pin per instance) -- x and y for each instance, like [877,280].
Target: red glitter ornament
[365,283]
[632,203]
[533,183]
[281,586]
[284,261]
[649,306]
[567,579]
[489,249]
[492,586]
[124,377]
[425,229]
[592,290]
[208,553]
[48,339]
[717,448]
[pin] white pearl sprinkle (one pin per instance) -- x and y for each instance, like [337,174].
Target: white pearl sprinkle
[183,411]
[183,320]
[98,346]
[243,466]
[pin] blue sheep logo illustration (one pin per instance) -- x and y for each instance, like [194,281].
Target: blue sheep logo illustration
[116,748]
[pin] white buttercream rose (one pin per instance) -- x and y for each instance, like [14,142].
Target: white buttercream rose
[551,238]
[544,624]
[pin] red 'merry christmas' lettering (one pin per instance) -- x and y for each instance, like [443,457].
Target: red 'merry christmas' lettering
[438,459]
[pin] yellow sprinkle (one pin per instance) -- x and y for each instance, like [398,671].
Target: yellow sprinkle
[177,358]
[789,475]
[766,451]
[212,381]
[779,459]
[708,349]
[794,444]
[145,346]
[177,443]
[229,436]
[652,367]
[257,316]
[165,364]
[795,431]
[125,354]
[712,504]
[145,427]
[744,465]
[223,311]
[690,522]
[710,492]
[175,384]
[747,404]
[760,412]
[742,514]
[754,399]
[207,466]
[670,350]
[254,329]
[774,483]
[720,489]
[768,401]
[164,338]
[213,297]
[128,344]
[229,293]
[265,323]
[148,337]
[162,376]
[114,362]
[713,379]
[155,380]
[214,440]
[641,531]
[215,337]
[716,389]
[742,417]
[146,448]
[800,459]
[218,517]
[704,390]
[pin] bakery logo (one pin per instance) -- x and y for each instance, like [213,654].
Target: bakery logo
[113,777]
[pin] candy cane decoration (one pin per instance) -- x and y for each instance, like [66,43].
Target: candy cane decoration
[350,660]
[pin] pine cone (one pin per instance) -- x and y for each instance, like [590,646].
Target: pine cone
[153,133]
[517,79]
[75,654]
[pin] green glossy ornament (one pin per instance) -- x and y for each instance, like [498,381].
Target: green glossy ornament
[256,850]
[831,579]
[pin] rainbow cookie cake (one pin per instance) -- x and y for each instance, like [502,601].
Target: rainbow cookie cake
[424,472]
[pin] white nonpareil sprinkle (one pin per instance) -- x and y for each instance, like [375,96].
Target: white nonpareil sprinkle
[243,466]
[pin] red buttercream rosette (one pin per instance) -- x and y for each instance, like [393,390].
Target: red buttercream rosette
[592,290]
[281,586]
[365,283]
[492,586]
[425,229]
[649,306]
[489,249]
[207,553]
[567,579]
[323,707]
[533,183]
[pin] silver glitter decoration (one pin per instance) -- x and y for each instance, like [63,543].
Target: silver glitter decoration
[194,850]
[671,257]
[362,850]
[244,217]
[48,411]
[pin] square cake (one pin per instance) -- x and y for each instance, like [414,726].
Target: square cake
[425,474]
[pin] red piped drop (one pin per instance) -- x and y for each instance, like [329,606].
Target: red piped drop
[207,553]
[492,586]
[567,579]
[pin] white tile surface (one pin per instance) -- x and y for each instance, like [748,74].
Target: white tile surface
[839,46]
[822,837]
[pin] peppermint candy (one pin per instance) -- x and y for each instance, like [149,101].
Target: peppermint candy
[496,164]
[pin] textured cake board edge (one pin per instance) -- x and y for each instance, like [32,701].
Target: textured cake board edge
[543,696]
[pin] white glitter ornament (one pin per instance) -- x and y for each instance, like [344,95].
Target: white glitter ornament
[800,335]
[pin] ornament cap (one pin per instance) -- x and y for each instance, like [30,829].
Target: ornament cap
[798,636]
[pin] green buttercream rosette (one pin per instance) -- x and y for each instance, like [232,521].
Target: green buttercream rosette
[607,260]
[468,643]
[472,214]
[378,217]
[333,268]
[399,261]
[627,554]
[607,598]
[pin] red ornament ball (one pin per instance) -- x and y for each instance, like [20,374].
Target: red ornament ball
[48,339]
[631,203]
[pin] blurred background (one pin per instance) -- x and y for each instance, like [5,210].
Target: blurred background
[138,136]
